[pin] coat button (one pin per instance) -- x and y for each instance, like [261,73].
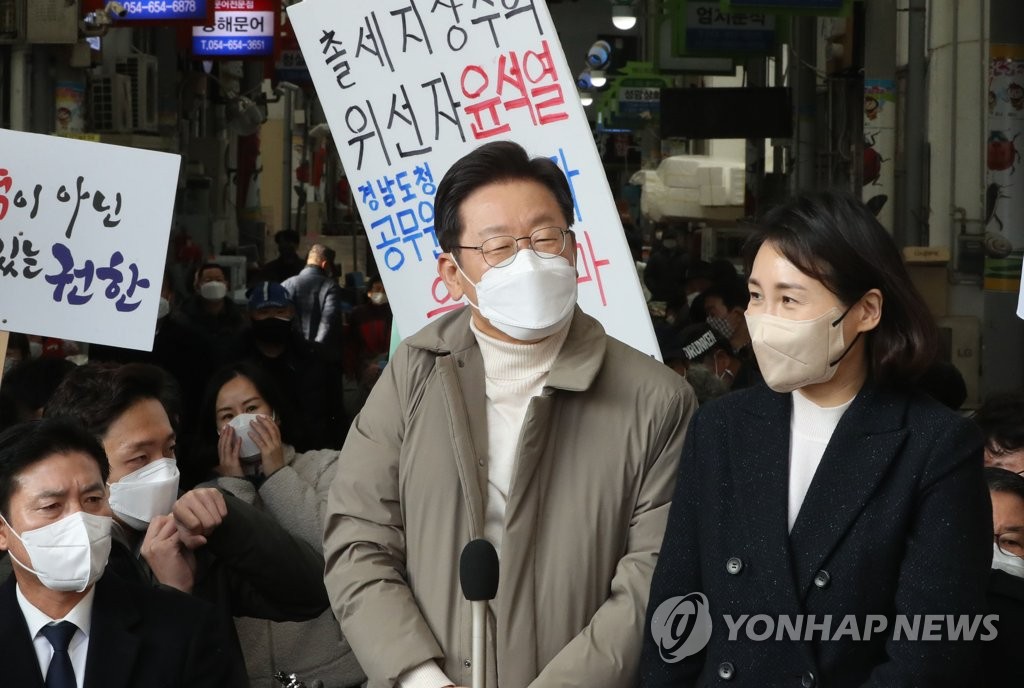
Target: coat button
[822,579]
[808,680]
[734,565]
[726,671]
[466,663]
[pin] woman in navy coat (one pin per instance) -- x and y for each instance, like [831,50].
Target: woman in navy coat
[836,491]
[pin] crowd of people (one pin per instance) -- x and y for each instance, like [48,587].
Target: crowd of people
[268,492]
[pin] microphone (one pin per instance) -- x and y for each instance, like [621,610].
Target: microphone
[478,574]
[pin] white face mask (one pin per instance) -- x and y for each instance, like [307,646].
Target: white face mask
[35,349]
[241,424]
[213,291]
[70,554]
[163,309]
[795,353]
[378,298]
[146,493]
[1007,562]
[530,299]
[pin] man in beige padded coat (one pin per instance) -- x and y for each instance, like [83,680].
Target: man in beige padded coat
[518,420]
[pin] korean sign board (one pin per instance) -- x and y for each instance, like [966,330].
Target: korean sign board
[710,30]
[160,11]
[241,28]
[83,238]
[410,86]
[822,6]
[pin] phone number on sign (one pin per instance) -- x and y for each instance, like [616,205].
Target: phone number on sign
[232,45]
[160,7]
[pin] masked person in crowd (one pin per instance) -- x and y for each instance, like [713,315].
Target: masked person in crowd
[370,336]
[209,314]
[249,421]
[1001,665]
[311,381]
[204,542]
[837,490]
[65,620]
[724,304]
[288,262]
[665,274]
[705,383]
[516,419]
[1001,420]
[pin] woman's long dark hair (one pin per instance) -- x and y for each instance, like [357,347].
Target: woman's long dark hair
[832,237]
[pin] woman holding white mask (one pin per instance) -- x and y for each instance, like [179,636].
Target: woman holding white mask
[257,464]
[835,492]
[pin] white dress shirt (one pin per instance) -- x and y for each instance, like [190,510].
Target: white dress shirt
[80,615]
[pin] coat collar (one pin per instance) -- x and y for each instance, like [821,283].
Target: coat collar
[114,641]
[20,666]
[864,444]
[574,370]
[113,638]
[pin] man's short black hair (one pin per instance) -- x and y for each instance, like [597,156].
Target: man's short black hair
[214,266]
[500,161]
[1002,480]
[287,236]
[97,394]
[733,293]
[28,443]
[29,386]
[1001,419]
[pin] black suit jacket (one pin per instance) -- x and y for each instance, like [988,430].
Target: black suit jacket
[140,638]
[897,520]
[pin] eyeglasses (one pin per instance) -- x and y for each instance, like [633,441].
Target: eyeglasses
[1010,543]
[500,251]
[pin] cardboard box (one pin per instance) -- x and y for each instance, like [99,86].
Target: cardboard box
[928,270]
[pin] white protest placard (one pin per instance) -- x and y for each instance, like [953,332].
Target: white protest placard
[83,238]
[410,86]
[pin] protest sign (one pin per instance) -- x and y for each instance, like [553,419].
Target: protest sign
[410,86]
[83,238]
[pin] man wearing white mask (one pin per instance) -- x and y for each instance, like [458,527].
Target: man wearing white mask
[1001,659]
[209,314]
[516,419]
[64,623]
[202,542]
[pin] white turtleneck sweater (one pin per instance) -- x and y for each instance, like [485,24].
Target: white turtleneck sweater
[514,374]
[811,428]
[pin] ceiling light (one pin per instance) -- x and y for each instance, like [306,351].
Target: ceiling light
[623,17]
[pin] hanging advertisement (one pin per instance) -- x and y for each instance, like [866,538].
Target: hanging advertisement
[240,29]
[158,11]
[1004,182]
[878,189]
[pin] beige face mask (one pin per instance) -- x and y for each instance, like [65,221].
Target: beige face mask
[795,353]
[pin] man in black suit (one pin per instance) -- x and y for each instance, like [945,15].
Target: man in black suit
[63,622]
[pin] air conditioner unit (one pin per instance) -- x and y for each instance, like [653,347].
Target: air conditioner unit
[110,103]
[142,70]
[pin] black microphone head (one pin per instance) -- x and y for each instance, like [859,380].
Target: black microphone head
[478,571]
